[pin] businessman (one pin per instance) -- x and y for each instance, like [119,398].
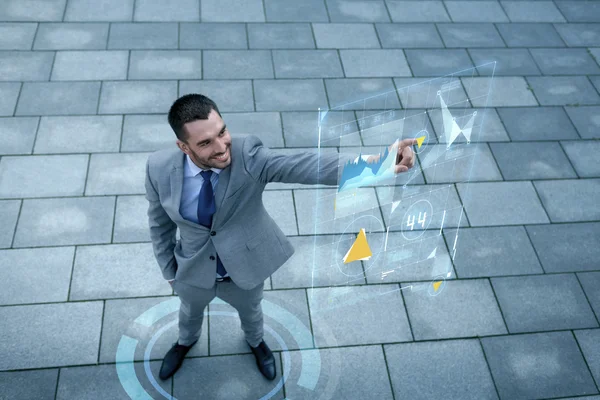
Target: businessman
[211,189]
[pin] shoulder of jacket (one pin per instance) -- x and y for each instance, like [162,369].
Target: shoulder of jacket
[163,158]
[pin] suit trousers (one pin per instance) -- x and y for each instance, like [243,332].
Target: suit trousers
[194,300]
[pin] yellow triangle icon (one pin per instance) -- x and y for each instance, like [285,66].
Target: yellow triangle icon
[359,250]
[420,141]
[436,285]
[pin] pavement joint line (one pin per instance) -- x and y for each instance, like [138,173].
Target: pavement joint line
[489,280]
[489,367]
[588,299]
[387,368]
[585,360]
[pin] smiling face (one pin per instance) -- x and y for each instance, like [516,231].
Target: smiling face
[208,142]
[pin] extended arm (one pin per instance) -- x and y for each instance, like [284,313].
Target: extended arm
[266,165]
[162,230]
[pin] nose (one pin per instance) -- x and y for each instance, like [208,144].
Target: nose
[222,146]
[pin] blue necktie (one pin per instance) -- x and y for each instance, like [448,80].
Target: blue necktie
[206,209]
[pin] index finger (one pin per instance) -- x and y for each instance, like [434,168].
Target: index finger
[405,143]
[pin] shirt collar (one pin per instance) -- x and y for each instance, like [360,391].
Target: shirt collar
[193,170]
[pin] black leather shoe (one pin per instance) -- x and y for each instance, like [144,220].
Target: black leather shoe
[173,360]
[265,360]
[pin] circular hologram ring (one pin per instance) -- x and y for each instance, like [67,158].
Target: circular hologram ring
[437,285]
[311,361]
[422,141]
[347,244]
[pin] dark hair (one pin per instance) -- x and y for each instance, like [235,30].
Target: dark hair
[188,108]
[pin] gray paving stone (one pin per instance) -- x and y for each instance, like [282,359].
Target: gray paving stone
[74,339]
[586,120]
[229,95]
[439,62]
[116,173]
[508,62]
[577,35]
[376,128]
[565,61]
[9,93]
[79,134]
[316,213]
[441,197]
[147,133]
[315,263]
[421,93]
[18,135]
[461,163]
[405,258]
[543,303]
[584,157]
[280,36]
[538,123]
[62,176]
[470,35]
[530,35]
[280,204]
[232,11]
[227,337]
[589,282]
[71,36]
[483,252]
[409,363]
[408,35]
[237,64]
[106,379]
[137,97]
[58,98]
[90,65]
[9,211]
[532,11]
[501,203]
[120,319]
[307,64]
[35,282]
[49,222]
[566,247]
[266,125]
[25,65]
[344,36]
[570,200]
[165,64]
[104,10]
[167,10]
[588,340]
[33,10]
[342,374]
[295,11]
[131,220]
[143,35]
[596,82]
[480,11]
[39,384]
[487,128]
[533,160]
[374,63]
[17,36]
[212,36]
[214,376]
[465,308]
[116,270]
[499,92]
[301,129]
[361,94]
[357,11]
[354,315]
[537,365]
[412,11]
[580,11]
[290,95]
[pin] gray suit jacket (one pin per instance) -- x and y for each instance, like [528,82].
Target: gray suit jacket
[248,241]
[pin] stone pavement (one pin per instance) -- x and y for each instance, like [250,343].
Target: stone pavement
[84,90]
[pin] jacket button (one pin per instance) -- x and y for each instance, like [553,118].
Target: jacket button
[213,233]
[212,257]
